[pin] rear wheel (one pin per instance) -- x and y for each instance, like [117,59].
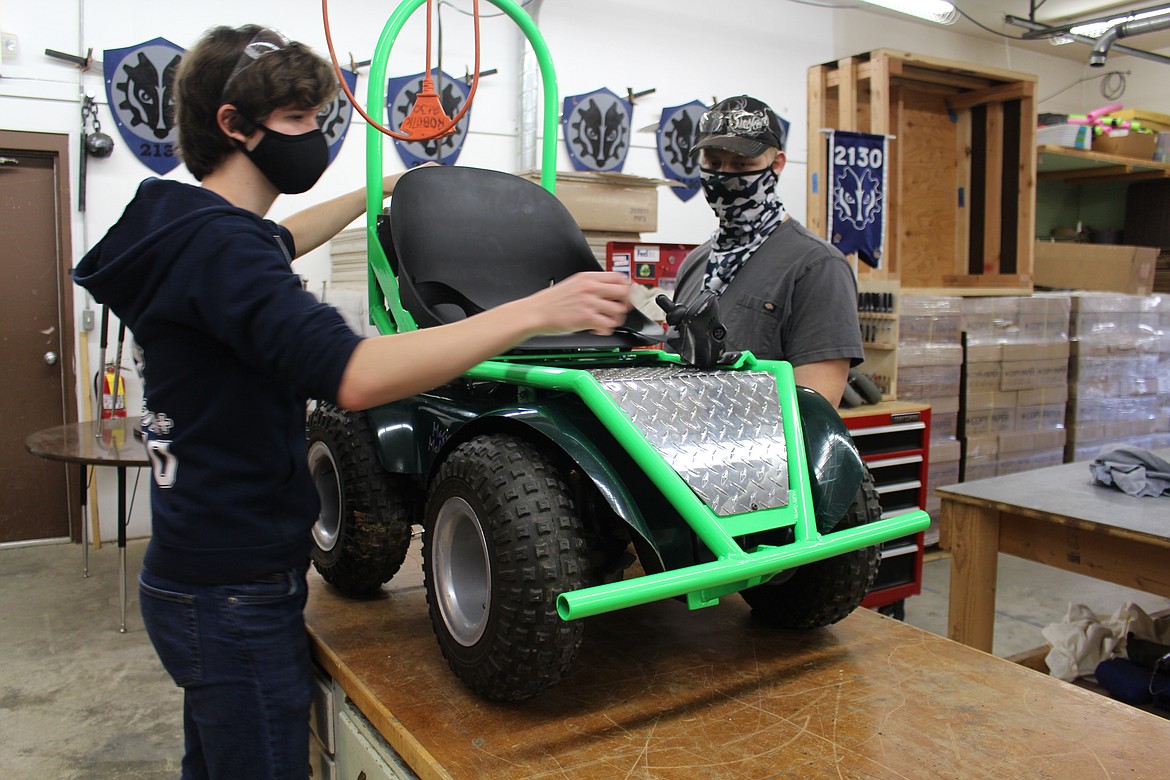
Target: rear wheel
[363,530]
[503,539]
[823,592]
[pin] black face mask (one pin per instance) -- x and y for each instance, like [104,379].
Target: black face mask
[293,163]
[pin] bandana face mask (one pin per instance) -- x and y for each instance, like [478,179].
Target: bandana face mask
[730,195]
[748,209]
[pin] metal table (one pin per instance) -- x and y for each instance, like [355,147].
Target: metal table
[1055,516]
[96,443]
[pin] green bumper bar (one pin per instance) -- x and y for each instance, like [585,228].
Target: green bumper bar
[732,570]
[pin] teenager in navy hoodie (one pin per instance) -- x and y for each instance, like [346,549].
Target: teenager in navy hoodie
[233,346]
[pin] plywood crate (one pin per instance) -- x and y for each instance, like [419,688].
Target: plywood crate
[961,171]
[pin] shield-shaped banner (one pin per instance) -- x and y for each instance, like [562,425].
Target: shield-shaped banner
[597,130]
[334,117]
[139,83]
[677,132]
[857,175]
[400,96]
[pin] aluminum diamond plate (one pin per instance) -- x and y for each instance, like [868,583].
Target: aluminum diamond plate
[720,430]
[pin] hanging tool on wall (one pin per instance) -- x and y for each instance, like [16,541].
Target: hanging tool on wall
[94,143]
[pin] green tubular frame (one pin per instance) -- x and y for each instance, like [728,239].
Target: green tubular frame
[735,568]
[383,287]
[702,584]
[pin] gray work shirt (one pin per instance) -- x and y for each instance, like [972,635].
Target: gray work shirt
[794,299]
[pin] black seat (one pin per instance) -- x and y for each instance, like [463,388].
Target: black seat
[464,240]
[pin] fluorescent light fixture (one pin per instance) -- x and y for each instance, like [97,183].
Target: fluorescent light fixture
[1097,29]
[937,11]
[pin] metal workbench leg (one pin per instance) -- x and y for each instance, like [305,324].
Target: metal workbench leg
[84,520]
[122,542]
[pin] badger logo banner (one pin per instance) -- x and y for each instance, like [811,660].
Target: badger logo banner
[678,130]
[334,117]
[139,82]
[400,96]
[597,130]
[857,199]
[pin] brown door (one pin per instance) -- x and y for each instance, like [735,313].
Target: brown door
[36,326]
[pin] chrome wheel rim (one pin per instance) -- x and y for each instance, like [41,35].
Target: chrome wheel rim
[324,471]
[461,571]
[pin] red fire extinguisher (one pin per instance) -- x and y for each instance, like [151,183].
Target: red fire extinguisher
[113,403]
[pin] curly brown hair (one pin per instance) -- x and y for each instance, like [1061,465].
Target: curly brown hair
[293,76]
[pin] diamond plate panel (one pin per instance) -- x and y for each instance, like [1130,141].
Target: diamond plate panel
[720,430]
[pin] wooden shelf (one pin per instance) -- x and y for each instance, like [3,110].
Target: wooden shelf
[1074,166]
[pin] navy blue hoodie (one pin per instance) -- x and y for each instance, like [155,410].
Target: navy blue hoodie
[233,346]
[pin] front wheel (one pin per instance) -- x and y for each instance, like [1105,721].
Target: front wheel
[503,539]
[823,592]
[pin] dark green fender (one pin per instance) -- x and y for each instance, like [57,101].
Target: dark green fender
[413,435]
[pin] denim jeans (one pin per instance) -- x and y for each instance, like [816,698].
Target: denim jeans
[241,655]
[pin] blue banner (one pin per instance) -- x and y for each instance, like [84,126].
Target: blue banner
[400,96]
[139,83]
[857,195]
[678,130]
[334,118]
[597,130]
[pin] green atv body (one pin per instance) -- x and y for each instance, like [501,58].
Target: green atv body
[578,474]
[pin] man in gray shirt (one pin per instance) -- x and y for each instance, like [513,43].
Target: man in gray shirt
[784,293]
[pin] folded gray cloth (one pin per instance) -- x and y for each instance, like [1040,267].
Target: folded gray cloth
[1132,470]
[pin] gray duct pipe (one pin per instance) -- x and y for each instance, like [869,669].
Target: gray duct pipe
[1124,30]
[527,158]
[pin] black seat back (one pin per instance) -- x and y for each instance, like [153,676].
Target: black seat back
[466,240]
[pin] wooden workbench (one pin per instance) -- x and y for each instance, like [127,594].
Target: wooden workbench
[661,692]
[1055,516]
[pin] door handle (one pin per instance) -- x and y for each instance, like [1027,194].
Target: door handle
[50,358]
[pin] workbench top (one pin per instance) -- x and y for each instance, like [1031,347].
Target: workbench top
[661,692]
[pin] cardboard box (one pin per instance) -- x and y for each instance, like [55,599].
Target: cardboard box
[1115,268]
[1127,143]
[992,399]
[1031,441]
[946,451]
[1029,374]
[984,422]
[1041,396]
[983,376]
[611,202]
[984,353]
[1035,350]
[1149,120]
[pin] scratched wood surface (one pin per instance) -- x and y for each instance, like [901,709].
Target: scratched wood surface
[661,692]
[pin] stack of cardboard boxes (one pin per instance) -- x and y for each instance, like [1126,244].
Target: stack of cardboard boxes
[1016,386]
[608,206]
[1117,386]
[930,358]
[1163,307]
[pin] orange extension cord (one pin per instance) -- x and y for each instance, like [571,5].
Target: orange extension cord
[427,101]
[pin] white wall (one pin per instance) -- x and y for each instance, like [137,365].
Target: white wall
[683,49]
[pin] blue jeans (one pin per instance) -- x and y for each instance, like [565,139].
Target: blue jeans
[241,655]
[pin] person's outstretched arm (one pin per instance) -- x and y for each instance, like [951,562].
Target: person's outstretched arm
[319,223]
[386,368]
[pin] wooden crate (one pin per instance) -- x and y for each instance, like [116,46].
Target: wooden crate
[961,169]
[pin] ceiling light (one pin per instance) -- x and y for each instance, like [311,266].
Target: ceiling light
[1097,29]
[937,11]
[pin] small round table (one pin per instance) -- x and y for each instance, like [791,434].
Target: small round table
[96,443]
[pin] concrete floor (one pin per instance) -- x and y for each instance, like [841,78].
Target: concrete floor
[79,700]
